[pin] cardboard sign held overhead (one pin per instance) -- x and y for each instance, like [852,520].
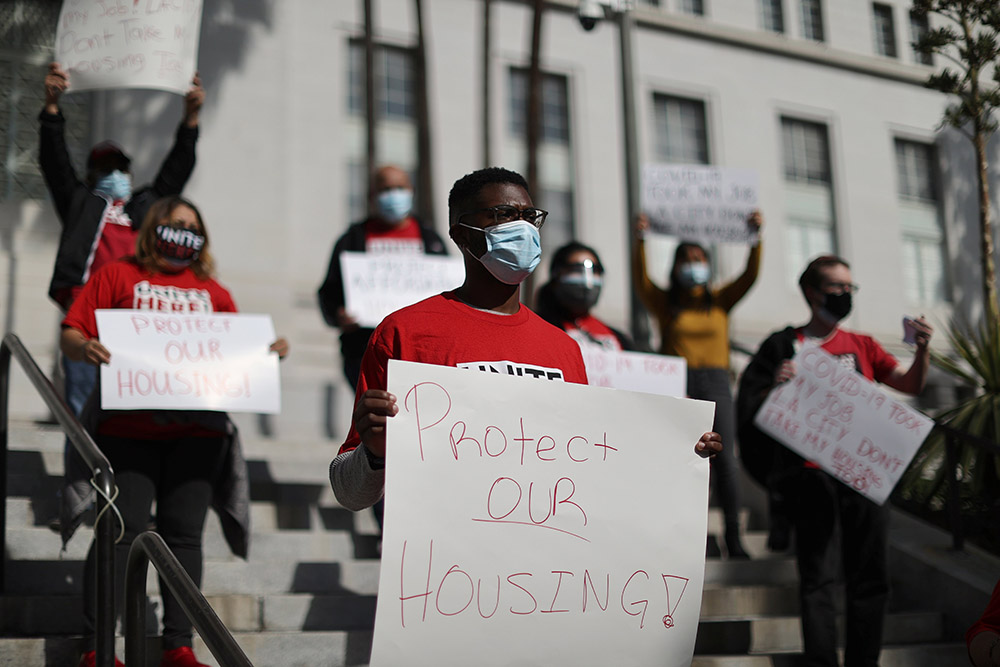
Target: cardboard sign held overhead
[700,203]
[535,522]
[129,43]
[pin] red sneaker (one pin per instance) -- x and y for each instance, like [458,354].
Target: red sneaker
[182,656]
[89,659]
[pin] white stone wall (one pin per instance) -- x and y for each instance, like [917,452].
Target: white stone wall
[272,183]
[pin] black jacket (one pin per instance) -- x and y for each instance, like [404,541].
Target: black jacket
[80,209]
[765,458]
[331,292]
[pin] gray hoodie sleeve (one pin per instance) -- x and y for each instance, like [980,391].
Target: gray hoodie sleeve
[355,484]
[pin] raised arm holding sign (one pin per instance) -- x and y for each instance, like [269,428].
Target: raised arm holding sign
[829,411]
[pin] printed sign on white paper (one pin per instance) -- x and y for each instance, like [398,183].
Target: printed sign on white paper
[635,371]
[163,361]
[376,284]
[129,43]
[844,423]
[700,203]
[539,522]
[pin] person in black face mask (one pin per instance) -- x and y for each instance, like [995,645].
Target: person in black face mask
[818,506]
[576,277]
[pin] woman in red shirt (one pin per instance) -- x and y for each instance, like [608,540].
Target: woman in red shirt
[170,456]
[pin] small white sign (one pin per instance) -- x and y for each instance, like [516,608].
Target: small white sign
[376,284]
[635,371]
[535,522]
[844,423]
[129,43]
[700,203]
[162,361]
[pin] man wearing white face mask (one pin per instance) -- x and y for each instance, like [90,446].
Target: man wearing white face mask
[391,227]
[481,325]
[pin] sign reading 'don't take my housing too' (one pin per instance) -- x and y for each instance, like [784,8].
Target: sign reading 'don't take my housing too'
[192,361]
[844,423]
[535,522]
[129,43]
[700,203]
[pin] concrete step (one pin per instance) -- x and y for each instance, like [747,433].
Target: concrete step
[287,649]
[949,654]
[353,577]
[33,615]
[719,602]
[775,571]
[747,636]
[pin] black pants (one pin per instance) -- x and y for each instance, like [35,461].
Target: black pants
[178,475]
[823,511]
[712,384]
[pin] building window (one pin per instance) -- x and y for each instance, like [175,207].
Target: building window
[554,191]
[696,7]
[808,191]
[680,130]
[772,15]
[924,261]
[918,28]
[884,30]
[28,31]
[393,82]
[812,19]
[396,124]
[554,106]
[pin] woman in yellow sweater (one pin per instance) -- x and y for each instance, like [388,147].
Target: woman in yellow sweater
[693,321]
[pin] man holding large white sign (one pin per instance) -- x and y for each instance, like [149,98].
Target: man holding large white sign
[129,43]
[481,326]
[700,203]
[817,404]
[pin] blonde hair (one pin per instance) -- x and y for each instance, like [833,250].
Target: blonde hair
[159,213]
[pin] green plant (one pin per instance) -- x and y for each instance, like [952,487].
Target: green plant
[977,367]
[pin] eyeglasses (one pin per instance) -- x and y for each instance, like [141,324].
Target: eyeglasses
[504,213]
[841,288]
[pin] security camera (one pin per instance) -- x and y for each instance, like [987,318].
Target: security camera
[589,12]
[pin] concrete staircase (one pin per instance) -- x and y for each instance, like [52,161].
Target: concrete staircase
[307,594]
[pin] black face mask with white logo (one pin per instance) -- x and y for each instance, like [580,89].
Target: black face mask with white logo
[178,246]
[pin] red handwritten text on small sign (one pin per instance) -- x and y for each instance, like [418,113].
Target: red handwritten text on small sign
[833,416]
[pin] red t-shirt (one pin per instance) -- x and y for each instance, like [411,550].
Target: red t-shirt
[404,237]
[858,352]
[125,284]
[115,239]
[588,330]
[444,331]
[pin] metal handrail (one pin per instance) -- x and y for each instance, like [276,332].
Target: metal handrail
[952,436]
[150,547]
[104,479]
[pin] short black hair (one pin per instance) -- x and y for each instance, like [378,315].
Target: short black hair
[811,276]
[467,188]
[560,258]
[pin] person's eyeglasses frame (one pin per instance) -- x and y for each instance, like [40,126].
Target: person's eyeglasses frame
[518,214]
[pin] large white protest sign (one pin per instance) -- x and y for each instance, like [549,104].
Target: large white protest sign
[635,371]
[535,522]
[844,423]
[700,203]
[376,284]
[196,361]
[129,43]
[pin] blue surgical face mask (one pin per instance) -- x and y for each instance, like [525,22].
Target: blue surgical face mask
[513,250]
[694,274]
[117,185]
[394,205]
